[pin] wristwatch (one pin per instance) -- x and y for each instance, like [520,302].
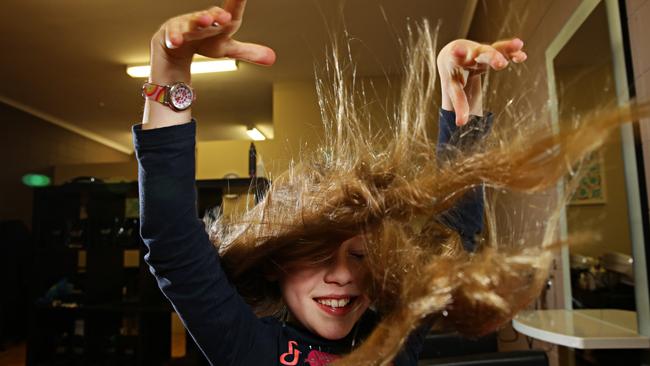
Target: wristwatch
[177,96]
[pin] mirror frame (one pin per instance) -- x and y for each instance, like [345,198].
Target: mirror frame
[629,154]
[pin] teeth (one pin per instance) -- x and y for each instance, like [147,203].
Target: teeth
[335,303]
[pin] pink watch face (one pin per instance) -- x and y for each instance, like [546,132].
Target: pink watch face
[181,96]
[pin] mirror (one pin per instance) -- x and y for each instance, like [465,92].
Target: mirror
[601,271]
[602,275]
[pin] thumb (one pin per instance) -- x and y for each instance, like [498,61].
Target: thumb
[250,52]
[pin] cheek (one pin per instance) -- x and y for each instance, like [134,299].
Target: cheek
[362,277]
[298,284]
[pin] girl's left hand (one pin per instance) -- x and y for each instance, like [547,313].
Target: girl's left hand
[460,65]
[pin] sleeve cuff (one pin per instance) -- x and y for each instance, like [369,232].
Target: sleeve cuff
[465,136]
[448,120]
[164,135]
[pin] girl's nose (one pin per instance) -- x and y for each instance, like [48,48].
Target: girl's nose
[339,272]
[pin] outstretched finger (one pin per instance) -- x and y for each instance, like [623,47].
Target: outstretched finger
[250,52]
[491,57]
[236,8]
[173,35]
[203,33]
[195,26]
[200,20]
[519,57]
[509,48]
[205,26]
[214,16]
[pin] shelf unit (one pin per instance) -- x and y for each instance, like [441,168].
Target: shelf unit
[95,301]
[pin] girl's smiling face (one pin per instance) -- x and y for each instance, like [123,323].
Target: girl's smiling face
[327,298]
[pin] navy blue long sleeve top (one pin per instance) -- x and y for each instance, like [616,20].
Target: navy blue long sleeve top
[188,271]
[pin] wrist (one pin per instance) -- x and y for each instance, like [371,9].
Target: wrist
[164,72]
[166,69]
[445,102]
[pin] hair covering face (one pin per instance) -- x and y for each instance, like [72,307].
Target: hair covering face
[391,187]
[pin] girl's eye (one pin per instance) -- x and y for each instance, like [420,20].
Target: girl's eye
[358,256]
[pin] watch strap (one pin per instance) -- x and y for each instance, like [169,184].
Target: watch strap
[155,92]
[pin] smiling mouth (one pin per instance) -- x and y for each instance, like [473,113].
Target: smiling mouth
[336,306]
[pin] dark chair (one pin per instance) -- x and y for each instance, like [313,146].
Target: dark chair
[450,349]
[15,244]
[516,358]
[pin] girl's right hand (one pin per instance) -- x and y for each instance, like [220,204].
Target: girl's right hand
[207,33]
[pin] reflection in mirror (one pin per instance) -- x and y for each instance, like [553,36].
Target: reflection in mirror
[602,269]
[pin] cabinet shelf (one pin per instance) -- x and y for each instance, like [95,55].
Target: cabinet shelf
[88,252]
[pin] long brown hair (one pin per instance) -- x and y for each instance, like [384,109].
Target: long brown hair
[391,186]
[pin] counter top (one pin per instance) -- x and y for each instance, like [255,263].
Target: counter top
[584,328]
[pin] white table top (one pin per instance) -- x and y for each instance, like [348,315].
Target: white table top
[584,329]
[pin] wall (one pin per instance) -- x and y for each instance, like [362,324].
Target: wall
[31,145]
[295,123]
[297,127]
[123,171]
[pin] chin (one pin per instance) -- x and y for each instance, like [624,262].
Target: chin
[334,332]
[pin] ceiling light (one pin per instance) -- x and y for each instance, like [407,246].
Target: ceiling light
[255,134]
[198,67]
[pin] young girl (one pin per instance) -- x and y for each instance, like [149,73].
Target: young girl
[360,229]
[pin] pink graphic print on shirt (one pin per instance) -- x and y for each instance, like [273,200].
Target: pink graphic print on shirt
[318,358]
[293,354]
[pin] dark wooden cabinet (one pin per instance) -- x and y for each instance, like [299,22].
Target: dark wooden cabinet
[94,300]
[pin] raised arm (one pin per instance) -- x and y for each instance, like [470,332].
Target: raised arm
[462,121]
[207,33]
[180,254]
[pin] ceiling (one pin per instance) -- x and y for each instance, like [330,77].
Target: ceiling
[65,60]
